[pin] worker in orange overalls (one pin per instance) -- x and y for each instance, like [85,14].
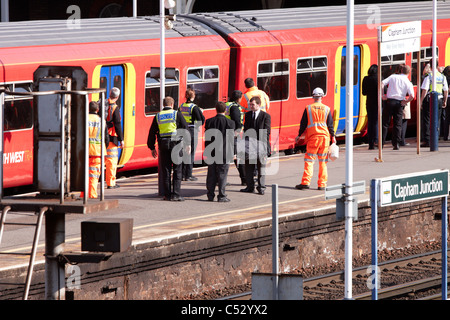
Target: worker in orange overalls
[113,121]
[252,90]
[95,151]
[317,124]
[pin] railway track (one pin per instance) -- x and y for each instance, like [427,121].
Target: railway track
[415,277]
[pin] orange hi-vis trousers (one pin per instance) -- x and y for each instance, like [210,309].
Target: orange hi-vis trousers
[316,146]
[94,175]
[112,155]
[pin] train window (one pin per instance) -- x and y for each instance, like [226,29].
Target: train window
[152,90]
[18,109]
[425,56]
[273,78]
[205,82]
[344,70]
[311,73]
[389,64]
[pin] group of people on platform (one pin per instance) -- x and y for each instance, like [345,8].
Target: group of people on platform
[239,133]
[398,92]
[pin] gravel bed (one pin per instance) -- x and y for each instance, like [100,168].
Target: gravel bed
[358,286]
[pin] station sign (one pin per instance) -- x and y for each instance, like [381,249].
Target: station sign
[400,37]
[408,188]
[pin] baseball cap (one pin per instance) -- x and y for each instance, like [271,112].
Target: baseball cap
[317,92]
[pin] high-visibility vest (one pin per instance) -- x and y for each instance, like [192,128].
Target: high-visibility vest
[439,82]
[254,91]
[229,105]
[167,123]
[95,135]
[317,120]
[186,111]
[111,128]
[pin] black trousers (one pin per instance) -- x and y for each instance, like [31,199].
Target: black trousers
[170,161]
[217,175]
[372,125]
[250,166]
[187,167]
[394,110]
[426,116]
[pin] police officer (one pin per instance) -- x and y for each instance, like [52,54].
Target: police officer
[442,90]
[252,90]
[164,127]
[317,123]
[194,119]
[234,113]
[113,121]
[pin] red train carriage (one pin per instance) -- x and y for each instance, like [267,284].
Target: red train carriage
[288,52]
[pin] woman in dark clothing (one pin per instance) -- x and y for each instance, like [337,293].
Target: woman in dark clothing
[370,89]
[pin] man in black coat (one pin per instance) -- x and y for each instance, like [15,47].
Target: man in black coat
[257,145]
[218,152]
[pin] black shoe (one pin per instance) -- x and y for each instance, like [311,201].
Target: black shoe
[210,199]
[176,198]
[261,192]
[223,200]
[114,187]
[302,186]
[321,188]
[165,198]
[249,190]
[425,144]
[371,147]
[396,148]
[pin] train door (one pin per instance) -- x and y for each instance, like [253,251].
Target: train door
[123,77]
[110,77]
[341,87]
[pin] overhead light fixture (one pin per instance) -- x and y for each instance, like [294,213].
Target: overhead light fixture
[169,4]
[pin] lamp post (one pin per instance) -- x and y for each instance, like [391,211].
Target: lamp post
[163,4]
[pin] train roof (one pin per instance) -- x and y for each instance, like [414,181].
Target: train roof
[316,17]
[49,32]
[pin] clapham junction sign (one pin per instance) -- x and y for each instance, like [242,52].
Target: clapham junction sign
[407,188]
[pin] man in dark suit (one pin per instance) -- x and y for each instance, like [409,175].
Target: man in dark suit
[257,145]
[218,152]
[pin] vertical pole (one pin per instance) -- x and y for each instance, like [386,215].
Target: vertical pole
[349,153]
[54,245]
[102,161]
[86,152]
[275,240]
[162,67]
[5,10]
[374,227]
[418,100]
[434,136]
[134,8]
[380,102]
[61,167]
[444,248]
[162,78]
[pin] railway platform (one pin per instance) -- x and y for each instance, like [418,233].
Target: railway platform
[189,231]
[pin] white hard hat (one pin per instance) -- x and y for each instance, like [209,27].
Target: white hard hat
[317,92]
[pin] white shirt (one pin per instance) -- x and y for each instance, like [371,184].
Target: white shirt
[398,86]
